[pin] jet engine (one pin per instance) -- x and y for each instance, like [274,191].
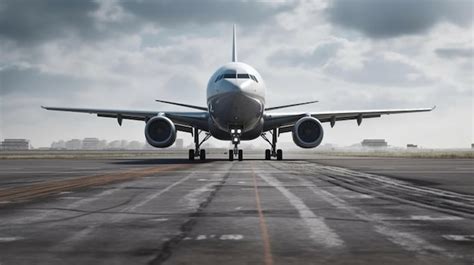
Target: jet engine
[160,132]
[308,132]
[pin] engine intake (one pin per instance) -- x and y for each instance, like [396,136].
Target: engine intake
[308,132]
[160,132]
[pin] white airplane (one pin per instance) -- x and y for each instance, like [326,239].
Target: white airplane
[236,111]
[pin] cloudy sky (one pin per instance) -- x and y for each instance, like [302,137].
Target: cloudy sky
[364,54]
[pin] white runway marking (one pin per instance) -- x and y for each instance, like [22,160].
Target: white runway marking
[406,240]
[155,195]
[459,237]
[319,231]
[9,239]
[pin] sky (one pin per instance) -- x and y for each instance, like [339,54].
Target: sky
[365,54]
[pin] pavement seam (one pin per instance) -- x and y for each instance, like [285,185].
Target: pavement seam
[167,247]
[268,257]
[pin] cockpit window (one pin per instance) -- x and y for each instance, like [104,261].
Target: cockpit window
[229,75]
[233,74]
[254,78]
[244,76]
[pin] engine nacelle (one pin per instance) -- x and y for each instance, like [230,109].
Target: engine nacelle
[160,132]
[308,132]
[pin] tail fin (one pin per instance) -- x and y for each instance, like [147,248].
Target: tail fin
[234,46]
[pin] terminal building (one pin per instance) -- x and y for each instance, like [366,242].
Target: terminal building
[374,143]
[15,144]
[90,144]
[74,144]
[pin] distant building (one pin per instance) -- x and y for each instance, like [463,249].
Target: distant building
[412,146]
[58,145]
[90,144]
[74,144]
[472,146]
[374,143]
[15,144]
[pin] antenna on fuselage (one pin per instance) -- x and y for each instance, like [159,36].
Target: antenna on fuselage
[234,46]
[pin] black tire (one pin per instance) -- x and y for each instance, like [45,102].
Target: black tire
[191,154]
[202,154]
[267,154]
[231,155]
[241,155]
[279,154]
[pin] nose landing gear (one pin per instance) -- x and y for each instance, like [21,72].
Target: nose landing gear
[236,152]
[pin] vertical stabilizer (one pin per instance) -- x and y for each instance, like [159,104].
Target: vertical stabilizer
[234,46]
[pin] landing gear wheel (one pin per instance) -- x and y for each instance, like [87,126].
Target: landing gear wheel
[241,155]
[202,154]
[231,155]
[191,154]
[279,154]
[267,154]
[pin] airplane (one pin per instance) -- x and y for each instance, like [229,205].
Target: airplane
[236,112]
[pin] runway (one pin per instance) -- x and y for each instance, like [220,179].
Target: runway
[320,210]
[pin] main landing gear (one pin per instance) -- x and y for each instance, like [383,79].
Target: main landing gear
[197,151]
[236,152]
[278,153]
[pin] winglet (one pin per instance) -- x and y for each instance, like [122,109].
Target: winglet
[433,108]
[234,45]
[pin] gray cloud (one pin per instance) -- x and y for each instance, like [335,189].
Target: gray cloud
[392,18]
[317,57]
[378,70]
[26,21]
[30,22]
[31,82]
[172,12]
[452,53]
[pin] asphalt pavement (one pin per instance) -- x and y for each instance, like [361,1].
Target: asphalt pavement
[171,211]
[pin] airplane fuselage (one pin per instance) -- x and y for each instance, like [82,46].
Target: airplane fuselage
[236,101]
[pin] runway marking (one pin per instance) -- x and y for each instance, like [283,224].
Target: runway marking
[9,239]
[464,238]
[225,237]
[404,239]
[319,231]
[155,195]
[267,250]
[192,197]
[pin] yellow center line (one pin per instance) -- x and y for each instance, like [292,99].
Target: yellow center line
[267,250]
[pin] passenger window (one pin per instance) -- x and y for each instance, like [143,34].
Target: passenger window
[245,76]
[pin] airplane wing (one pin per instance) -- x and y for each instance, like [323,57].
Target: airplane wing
[184,121]
[285,121]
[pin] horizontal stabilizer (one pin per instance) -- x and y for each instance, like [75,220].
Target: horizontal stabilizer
[182,105]
[291,105]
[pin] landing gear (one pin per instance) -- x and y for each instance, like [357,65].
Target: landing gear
[197,151]
[267,154]
[231,155]
[236,152]
[273,152]
[279,154]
